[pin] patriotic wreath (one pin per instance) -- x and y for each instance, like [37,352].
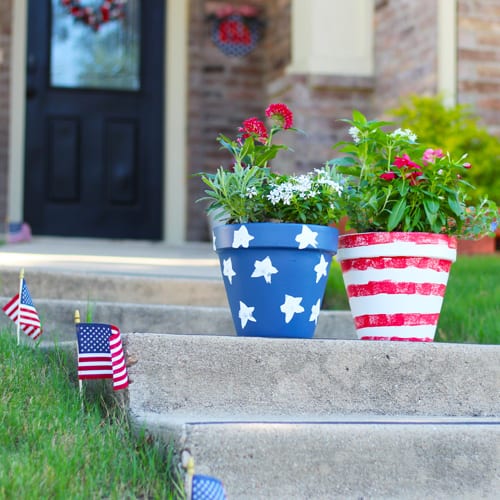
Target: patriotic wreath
[95,17]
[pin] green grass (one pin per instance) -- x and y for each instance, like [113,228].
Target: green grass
[471,308]
[52,448]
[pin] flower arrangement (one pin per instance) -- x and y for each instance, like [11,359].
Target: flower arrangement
[250,191]
[394,183]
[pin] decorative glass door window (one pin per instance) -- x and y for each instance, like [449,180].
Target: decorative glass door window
[91,55]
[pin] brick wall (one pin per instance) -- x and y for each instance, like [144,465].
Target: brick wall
[223,91]
[479,59]
[405,51]
[5,40]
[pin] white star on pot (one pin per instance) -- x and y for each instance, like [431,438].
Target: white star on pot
[242,237]
[264,268]
[306,238]
[315,312]
[228,271]
[290,307]
[246,314]
[320,268]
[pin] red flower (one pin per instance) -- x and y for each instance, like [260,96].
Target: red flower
[281,114]
[405,161]
[388,176]
[253,127]
[467,165]
[413,176]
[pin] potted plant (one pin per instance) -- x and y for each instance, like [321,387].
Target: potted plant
[276,243]
[408,203]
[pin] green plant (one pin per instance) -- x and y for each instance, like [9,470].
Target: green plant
[251,192]
[395,183]
[455,128]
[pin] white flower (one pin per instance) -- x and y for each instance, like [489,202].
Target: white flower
[354,132]
[405,134]
[252,192]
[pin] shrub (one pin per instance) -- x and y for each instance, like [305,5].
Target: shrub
[455,129]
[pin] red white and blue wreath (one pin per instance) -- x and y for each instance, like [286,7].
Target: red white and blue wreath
[236,31]
[95,17]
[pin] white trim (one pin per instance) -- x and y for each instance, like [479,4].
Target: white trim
[332,37]
[175,117]
[447,51]
[17,100]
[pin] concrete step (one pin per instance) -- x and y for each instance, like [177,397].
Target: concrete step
[320,419]
[271,378]
[349,459]
[103,287]
[58,319]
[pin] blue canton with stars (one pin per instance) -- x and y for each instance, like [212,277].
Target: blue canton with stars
[93,338]
[207,488]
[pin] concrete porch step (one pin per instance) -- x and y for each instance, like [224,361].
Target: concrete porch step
[111,287]
[321,419]
[58,319]
[426,458]
[220,376]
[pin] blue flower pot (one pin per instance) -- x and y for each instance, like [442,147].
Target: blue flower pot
[275,275]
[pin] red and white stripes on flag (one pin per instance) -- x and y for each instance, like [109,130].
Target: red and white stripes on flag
[100,354]
[396,282]
[21,309]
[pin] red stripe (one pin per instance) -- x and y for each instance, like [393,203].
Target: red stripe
[84,376]
[392,288]
[365,239]
[398,319]
[440,265]
[399,339]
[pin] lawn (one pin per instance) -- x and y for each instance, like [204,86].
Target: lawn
[471,308]
[51,447]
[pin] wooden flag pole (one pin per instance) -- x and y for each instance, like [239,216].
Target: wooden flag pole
[21,277]
[80,385]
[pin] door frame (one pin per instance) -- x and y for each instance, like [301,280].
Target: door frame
[174,117]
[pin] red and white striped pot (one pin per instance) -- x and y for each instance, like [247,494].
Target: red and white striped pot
[396,282]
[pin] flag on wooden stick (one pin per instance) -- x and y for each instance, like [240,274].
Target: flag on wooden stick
[200,487]
[22,311]
[100,354]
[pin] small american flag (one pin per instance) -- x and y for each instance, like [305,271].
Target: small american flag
[24,311]
[100,354]
[207,488]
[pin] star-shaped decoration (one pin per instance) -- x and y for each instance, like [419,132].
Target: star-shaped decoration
[264,268]
[306,238]
[241,238]
[320,269]
[290,307]
[214,246]
[315,312]
[227,271]
[246,314]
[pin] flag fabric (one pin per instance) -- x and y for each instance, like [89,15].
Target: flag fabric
[23,310]
[100,354]
[207,488]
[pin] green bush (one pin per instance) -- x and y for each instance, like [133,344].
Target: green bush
[455,129]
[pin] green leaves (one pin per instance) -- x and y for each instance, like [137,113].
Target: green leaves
[396,214]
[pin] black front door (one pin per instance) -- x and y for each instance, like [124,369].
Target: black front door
[94,115]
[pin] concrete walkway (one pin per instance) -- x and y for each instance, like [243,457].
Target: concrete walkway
[115,257]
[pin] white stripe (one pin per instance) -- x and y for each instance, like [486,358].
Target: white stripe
[405,332]
[398,249]
[95,372]
[394,304]
[410,274]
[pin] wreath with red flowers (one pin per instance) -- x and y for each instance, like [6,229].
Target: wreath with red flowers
[95,17]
